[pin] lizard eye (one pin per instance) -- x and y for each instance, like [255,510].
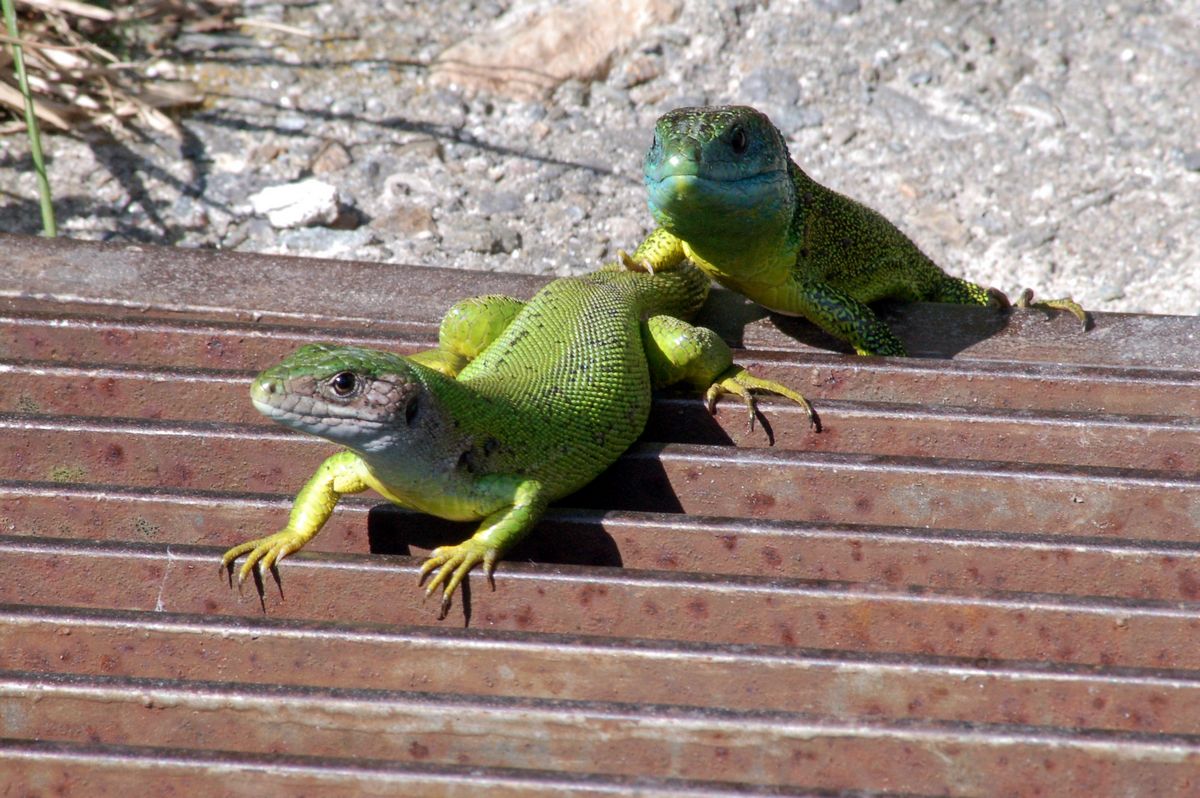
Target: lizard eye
[739,141]
[343,383]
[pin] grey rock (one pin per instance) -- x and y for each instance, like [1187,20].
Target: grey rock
[478,235]
[1032,237]
[770,85]
[500,203]
[843,7]
[292,123]
[327,243]
[406,221]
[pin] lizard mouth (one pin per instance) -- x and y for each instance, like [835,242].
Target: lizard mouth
[308,415]
[740,192]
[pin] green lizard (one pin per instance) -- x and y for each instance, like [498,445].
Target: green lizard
[727,196]
[520,405]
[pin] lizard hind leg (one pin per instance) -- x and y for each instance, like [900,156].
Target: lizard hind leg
[468,328]
[680,352]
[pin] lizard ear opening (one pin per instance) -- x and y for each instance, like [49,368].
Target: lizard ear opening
[739,141]
[411,409]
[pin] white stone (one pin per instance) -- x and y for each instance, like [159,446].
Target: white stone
[309,202]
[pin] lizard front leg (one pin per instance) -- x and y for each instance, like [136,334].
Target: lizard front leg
[963,292]
[340,474]
[680,352]
[524,504]
[467,329]
[843,316]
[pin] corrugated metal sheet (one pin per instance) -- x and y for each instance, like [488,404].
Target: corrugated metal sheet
[982,577]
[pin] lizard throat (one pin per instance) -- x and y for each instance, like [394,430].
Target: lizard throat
[696,207]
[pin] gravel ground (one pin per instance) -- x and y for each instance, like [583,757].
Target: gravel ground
[1054,145]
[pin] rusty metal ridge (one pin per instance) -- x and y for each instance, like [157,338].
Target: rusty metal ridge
[729,584]
[886,428]
[652,522]
[218,281]
[766,747]
[822,613]
[893,555]
[397,332]
[283,287]
[517,711]
[417,333]
[672,400]
[681,453]
[496,642]
[605,669]
[98,770]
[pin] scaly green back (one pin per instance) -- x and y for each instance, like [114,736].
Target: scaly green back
[572,367]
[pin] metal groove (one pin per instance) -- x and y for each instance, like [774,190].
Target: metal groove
[830,683]
[1065,437]
[577,600]
[943,558]
[115,770]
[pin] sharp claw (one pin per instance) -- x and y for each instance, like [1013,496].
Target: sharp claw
[634,265]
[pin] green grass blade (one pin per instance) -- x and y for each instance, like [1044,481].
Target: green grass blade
[49,227]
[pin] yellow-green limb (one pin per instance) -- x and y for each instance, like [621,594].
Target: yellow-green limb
[340,474]
[659,251]
[1066,303]
[49,227]
[680,352]
[497,533]
[468,328]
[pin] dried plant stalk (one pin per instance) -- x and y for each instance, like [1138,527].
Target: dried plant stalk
[78,80]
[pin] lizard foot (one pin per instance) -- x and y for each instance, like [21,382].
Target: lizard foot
[736,380]
[1066,303]
[453,563]
[634,265]
[263,552]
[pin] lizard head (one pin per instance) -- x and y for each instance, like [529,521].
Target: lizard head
[715,167]
[346,394]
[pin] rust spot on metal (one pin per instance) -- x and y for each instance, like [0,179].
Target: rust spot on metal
[759,503]
[588,593]
[666,559]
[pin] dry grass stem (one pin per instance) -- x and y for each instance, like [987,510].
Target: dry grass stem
[87,65]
